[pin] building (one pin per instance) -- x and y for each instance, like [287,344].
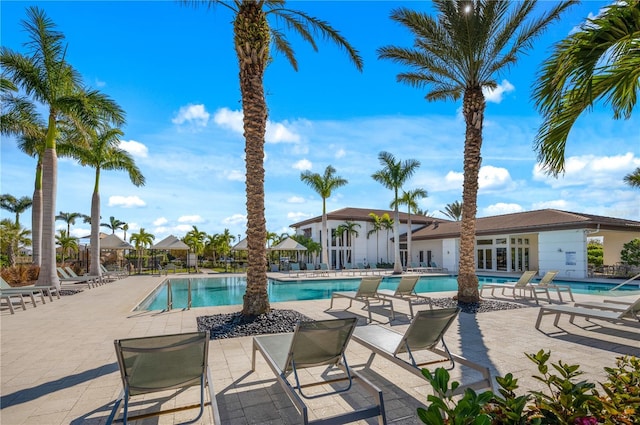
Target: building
[540,240]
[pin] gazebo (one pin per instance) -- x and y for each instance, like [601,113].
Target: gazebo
[114,243]
[170,243]
[289,244]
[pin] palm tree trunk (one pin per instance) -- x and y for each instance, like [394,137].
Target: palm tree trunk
[325,237]
[251,32]
[473,111]
[36,216]
[48,275]
[409,231]
[94,269]
[397,263]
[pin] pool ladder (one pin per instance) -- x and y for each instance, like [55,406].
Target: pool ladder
[625,282]
[170,295]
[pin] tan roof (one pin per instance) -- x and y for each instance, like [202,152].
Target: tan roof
[362,214]
[525,222]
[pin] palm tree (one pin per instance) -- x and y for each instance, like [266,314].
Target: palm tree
[113,224]
[141,240]
[69,218]
[15,205]
[387,224]
[225,244]
[125,228]
[393,175]
[20,118]
[376,227]
[324,185]
[46,77]
[68,244]
[410,199]
[457,54]
[253,36]
[196,241]
[100,151]
[453,211]
[349,227]
[633,179]
[12,237]
[600,61]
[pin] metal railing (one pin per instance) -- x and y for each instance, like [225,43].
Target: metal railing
[625,282]
[170,295]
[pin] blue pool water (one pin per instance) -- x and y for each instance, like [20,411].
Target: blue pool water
[218,291]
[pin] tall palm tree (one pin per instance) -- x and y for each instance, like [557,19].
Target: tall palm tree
[410,199]
[453,211]
[46,77]
[458,53]
[101,151]
[141,240]
[20,118]
[324,184]
[15,205]
[253,38]
[349,227]
[600,61]
[125,228]
[394,175]
[633,179]
[375,228]
[387,224]
[69,218]
[12,237]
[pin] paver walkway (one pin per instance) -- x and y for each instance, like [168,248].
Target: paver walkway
[58,365]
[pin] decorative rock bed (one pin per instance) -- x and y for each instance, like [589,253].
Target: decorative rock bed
[234,325]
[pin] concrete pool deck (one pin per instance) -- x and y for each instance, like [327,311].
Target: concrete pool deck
[58,364]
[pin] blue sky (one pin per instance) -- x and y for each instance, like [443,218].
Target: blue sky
[174,71]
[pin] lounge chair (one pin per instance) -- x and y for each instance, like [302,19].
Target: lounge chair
[546,284]
[631,309]
[414,267]
[323,270]
[294,268]
[406,291]
[160,363]
[521,285]
[115,274]
[25,291]
[426,332]
[9,299]
[625,314]
[367,291]
[89,281]
[316,343]
[360,267]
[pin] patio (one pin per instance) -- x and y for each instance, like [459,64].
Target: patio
[58,363]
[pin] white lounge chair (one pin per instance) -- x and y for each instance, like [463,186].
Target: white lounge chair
[406,291]
[521,285]
[426,333]
[367,292]
[546,284]
[9,299]
[312,344]
[621,314]
[25,291]
[88,281]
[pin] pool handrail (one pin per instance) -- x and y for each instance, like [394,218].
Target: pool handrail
[625,282]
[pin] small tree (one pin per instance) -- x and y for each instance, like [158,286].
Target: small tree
[630,253]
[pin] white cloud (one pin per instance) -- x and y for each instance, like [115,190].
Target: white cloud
[279,133]
[192,114]
[491,178]
[236,175]
[558,204]
[229,119]
[100,83]
[340,153]
[235,219]
[501,208]
[298,216]
[160,221]
[136,149]
[303,165]
[591,170]
[495,95]
[183,228]
[126,201]
[190,219]
[296,200]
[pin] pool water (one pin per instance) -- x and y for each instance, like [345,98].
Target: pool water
[219,291]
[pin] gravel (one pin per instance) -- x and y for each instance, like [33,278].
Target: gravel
[234,325]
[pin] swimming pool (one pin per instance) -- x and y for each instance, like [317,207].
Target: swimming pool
[229,290]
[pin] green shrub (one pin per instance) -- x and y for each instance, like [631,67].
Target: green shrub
[566,400]
[630,253]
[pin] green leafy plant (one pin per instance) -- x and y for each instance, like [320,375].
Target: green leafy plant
[565,398]
[630,253]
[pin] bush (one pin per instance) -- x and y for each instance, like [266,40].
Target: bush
[21,274]
[566,400]
[630,253]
